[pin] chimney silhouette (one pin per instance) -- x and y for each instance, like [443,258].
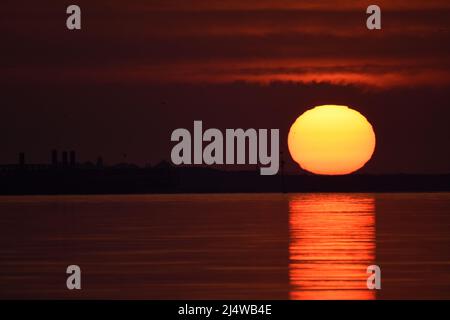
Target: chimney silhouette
[64,158]
[99,162]
[72,159]
[54,157]
[21,159]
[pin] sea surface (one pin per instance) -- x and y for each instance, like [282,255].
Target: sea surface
[226,246]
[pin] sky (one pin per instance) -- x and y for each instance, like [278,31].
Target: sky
[140,69]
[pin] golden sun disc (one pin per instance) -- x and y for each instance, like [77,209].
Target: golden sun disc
[331,140]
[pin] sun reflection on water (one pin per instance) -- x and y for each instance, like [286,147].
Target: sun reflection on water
[332,241]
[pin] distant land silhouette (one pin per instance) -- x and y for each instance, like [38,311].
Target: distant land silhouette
[70,177]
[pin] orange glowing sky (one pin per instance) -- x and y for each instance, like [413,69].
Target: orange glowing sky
[138,69]
[225,41]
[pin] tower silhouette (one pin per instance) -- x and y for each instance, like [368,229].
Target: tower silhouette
[54,157]
[22,159]
[65,159]
[72,159]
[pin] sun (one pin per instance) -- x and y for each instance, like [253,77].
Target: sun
[331,140]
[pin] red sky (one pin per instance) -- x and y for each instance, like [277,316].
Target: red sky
[225,41]
[139,69]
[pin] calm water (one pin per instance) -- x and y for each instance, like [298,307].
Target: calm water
[254,246]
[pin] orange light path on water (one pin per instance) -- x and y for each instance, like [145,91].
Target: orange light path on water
[332,242]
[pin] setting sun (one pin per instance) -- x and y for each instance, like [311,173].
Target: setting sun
[331,140]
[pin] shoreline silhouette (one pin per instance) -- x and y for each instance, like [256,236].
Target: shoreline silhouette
[67,176]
